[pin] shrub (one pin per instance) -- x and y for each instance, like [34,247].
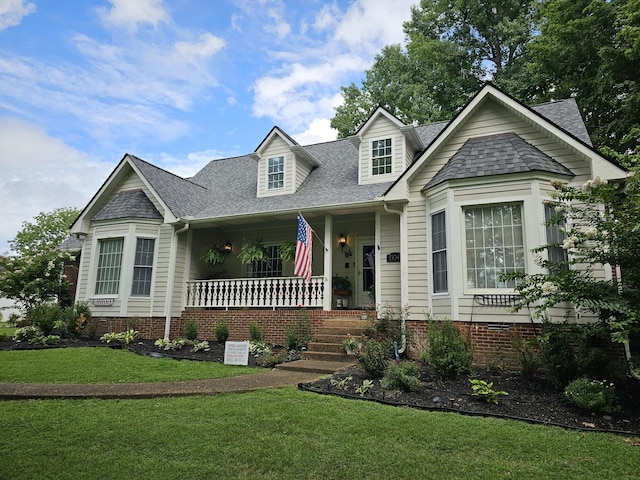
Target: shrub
[222,331]
[45,340]
[44,316]
[76,317]
[299,333]
[485,391]
[270,360]
[200,346]
[375,356]
[403,376]
[448,354]
[190,329]
[128,336]
[528,355]
[27,333]
[593,396]
[255,334]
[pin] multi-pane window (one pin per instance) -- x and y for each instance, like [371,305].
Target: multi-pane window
[143,267]
[275,176]
[381,158]
[494,245]
[555,237]
[439,252]
[268,268]
[109,266]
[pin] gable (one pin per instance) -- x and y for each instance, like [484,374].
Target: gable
[128,204]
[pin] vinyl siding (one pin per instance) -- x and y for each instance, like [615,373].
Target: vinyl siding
[389,272]
[382,128]
[276,148]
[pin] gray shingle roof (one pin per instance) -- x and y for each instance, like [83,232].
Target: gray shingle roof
[495,155]
[228,187]
[128,204]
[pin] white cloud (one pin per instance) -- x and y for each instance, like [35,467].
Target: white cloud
[305,85]
[13,11]
[41,173]
[130,14]
[319,131]
[207,46]
[191,164]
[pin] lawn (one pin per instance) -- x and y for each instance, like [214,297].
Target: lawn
[288,434]
[104,365]
[8,331]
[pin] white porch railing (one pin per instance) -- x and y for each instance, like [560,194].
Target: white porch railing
[256,292]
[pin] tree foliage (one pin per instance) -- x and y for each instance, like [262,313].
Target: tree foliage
[603,226]
[35,274]
[537,50]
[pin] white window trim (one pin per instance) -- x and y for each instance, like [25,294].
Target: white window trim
[371,158]
[269,187]
[154,265]
[431,252]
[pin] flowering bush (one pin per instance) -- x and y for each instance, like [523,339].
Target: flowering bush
[593,396]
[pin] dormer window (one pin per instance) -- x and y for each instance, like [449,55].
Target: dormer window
[381,158]
[275,175]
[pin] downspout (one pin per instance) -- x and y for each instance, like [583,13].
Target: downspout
[403,326]
[171,278]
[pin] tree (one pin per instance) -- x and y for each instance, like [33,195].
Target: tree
[603,224]
[589,49]
[453,46]
[35,274]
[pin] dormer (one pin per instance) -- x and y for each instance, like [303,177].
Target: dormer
[386,147]
[282,164]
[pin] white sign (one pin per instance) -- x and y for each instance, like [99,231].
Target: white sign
[236,353]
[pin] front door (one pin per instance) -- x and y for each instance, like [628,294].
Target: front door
[366,271]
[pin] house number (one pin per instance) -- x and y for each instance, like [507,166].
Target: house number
[393,257]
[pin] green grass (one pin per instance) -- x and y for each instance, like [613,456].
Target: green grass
[8,331]
[104,365]
[288,434]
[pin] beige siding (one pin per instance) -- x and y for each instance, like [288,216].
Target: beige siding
[277,148]
[417,256]
[302,170]
[389,272]
[441,307]
[381,129]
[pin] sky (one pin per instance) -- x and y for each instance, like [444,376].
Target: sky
[175,82]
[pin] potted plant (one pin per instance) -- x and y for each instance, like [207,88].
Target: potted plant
[215,256]
[252,252]
[341,285]
[288,251]
[350,345]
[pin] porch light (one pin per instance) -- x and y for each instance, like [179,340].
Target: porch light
[342,240]
[228,247]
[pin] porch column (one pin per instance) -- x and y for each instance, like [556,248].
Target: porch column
[328,261]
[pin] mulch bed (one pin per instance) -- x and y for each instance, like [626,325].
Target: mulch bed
[530,400]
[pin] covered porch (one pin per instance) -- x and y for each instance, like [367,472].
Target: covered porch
[343,266]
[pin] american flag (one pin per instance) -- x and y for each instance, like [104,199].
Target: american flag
[302,264]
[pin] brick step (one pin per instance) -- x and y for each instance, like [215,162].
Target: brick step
[316,366]
[325,347]
[332,338]
[353,323]
[328,357]
[337,332]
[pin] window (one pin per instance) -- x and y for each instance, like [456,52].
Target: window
[143,267]
[269,268]
[555,235]
[439,252]
[494,244]
[275,177]
[381,157]
[109,266]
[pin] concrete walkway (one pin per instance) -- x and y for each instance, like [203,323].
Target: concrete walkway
[289,374]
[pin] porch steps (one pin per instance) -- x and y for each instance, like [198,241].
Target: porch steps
[327,341]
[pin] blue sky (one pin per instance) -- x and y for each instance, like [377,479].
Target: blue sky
[175,82]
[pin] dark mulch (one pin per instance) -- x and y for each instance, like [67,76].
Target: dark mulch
[534,401]
[531,400]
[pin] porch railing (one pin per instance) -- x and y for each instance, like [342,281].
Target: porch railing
[256,292]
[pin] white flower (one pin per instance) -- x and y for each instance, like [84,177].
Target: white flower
[591,233]
[549,287]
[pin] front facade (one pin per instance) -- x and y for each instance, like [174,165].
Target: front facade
[424,217]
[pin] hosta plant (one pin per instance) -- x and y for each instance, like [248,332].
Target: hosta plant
[484,390]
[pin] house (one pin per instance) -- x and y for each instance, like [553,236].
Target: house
[424,217]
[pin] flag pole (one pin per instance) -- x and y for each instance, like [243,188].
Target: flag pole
[316,235]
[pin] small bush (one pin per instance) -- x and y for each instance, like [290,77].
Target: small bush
[125,337]
[299,333]
[222,331]
[255,334]
[528,355]
[270,360]
[76,317]
[448,353]
[27,333]
[200,346]
[484,391]
[592,396]
[375,356]
[44,316]
[403,376]
[190,329]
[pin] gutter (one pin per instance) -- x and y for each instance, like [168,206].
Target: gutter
[403,325]
[171,278]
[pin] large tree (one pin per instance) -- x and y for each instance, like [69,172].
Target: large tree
[452,47]
[34,274]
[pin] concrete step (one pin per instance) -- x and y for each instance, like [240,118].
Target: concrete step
[331,338]
[335,347]
[316,366]
[354,323]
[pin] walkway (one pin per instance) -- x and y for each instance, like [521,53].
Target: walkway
[290,374]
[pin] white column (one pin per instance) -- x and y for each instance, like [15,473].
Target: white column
[328,261]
